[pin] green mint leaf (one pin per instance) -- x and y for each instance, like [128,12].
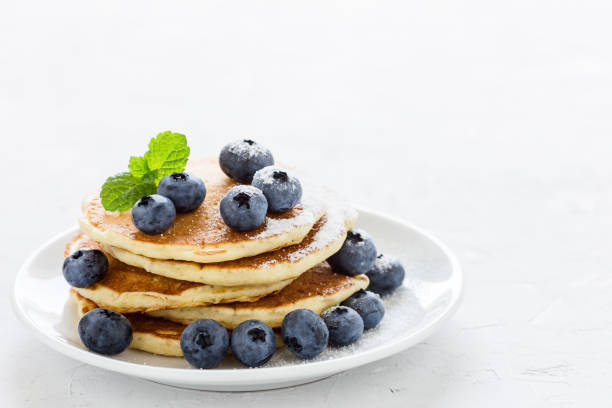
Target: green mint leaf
[168,153]
[138,166]
[121,191]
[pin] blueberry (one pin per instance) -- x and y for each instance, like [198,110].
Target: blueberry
[186,191]
[253,343]
[282,190]
[153,214]
[386,275]
[344,324]
[84,267]
[369,306]
[304,333]
[204,343]
[242,158]
[356,256]
[243,208]
[105,331]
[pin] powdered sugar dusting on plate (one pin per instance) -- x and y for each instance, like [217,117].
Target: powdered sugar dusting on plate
[403,314]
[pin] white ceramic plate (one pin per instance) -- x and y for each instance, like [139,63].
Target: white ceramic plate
[430,295]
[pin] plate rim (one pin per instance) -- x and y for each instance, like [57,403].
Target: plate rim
[261,375]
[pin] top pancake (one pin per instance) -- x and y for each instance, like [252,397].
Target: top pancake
[201,235]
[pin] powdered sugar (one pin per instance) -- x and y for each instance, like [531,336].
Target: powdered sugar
[385,261]
[360,237]
[246,151]
[403,316]
[334,226]
[312,208]
[266,176]
[424,297]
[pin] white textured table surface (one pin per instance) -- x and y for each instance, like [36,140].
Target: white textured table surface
[486,123]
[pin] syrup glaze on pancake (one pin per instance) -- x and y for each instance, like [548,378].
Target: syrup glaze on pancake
[127,288]
[201,235]
[317,281]
[125,278]
[324,239]
[316,289]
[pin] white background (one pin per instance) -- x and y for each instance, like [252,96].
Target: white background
[485,122]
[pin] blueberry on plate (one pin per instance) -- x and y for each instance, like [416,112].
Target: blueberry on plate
[243,208]
[282,190]
[242,158]
[204,343]
[185,190]
[356,256]
[153,214]
[369,306]
[84,267]
[304,333]
[104,331]
[253,343]
[386,275]
[344,324]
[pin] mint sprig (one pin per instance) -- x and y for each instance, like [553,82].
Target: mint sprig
[168,153]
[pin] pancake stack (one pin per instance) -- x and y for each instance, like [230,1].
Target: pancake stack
[200,268]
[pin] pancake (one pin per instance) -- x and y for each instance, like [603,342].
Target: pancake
[323,240]
[317,289]
[201,235]
[151,334]
[127,288]
[154,335]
